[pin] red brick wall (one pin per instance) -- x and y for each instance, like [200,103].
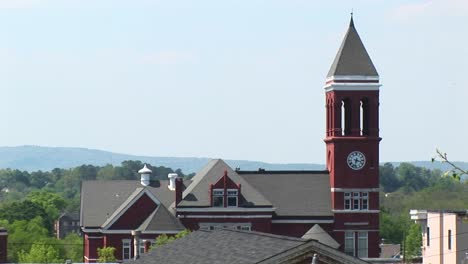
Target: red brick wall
[136,214]
[3,247]
[91,243]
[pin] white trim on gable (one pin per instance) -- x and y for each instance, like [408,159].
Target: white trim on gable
[224,216]
[356,211]
[226,209]
[127,231]
[355,189]
[120,211]
[310,221]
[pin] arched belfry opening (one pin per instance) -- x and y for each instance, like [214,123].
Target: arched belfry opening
[364,117]
[346,117]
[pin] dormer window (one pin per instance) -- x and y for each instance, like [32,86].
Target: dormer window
[218,198]
[225,192]
[232,199]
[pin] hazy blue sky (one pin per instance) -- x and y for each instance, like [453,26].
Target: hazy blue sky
[230,79]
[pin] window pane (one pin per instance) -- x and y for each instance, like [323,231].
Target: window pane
[232,192]
[362,245]
[364,204]
[218,192]
[347,204]
[356,204]
[218,201]
[232,201]
[349,243]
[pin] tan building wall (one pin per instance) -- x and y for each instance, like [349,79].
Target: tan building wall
[447,233]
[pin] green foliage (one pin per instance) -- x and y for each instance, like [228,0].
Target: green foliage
[52,203]
[73,247]
[106,255]
[40,253]
[413,241]
[25,210]
[164,239]
[22,233]
[392,227]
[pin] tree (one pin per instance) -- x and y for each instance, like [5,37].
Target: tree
[164,239]
[22,233]
[413,242]
[388,178]
[106,255]
[40,253]
[52,203]
[25,210]
[73,247]
[455,172]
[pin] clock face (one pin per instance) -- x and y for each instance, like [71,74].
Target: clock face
[356,160]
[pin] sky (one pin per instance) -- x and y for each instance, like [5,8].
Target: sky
[232,79]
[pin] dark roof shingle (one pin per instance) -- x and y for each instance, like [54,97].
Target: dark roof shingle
[352,57]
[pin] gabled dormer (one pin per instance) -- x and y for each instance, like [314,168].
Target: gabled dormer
[225,192]
[218,187]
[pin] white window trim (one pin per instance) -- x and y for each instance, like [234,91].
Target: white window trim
[220,194]
[353,243]
[236,195]
[207,226]
[129,241]
[363,253]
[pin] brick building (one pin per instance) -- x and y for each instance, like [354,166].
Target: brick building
[338,207]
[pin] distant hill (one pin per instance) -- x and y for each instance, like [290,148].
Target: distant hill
[33,158]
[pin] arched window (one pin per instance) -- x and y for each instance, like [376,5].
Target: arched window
[364,117]
[346,117]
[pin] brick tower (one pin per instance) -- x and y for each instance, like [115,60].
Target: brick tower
[352,141]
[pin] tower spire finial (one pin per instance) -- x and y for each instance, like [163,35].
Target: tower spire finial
[351,22]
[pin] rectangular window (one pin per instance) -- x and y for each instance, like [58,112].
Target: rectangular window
[365,201]
[141,246]
[126,249]
[362,244]
[218,198]
[428,236]
[232,198]
[347,201]
[449,239]
[245,228]
[349,243]
[356,201]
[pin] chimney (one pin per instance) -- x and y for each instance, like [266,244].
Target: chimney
[172,178]
[179,188]
[145,175]
[136,243]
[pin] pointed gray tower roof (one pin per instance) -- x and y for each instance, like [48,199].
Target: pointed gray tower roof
[352,58]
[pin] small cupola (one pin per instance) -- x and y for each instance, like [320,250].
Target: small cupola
[145,175]
[172,179]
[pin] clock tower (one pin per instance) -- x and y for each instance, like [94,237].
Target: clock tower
[352,143]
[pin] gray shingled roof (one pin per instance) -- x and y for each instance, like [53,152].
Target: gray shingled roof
[197,193]
[352,57]
[317,233]
[162,220]
[232,246]
[294,193]
[101,199]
